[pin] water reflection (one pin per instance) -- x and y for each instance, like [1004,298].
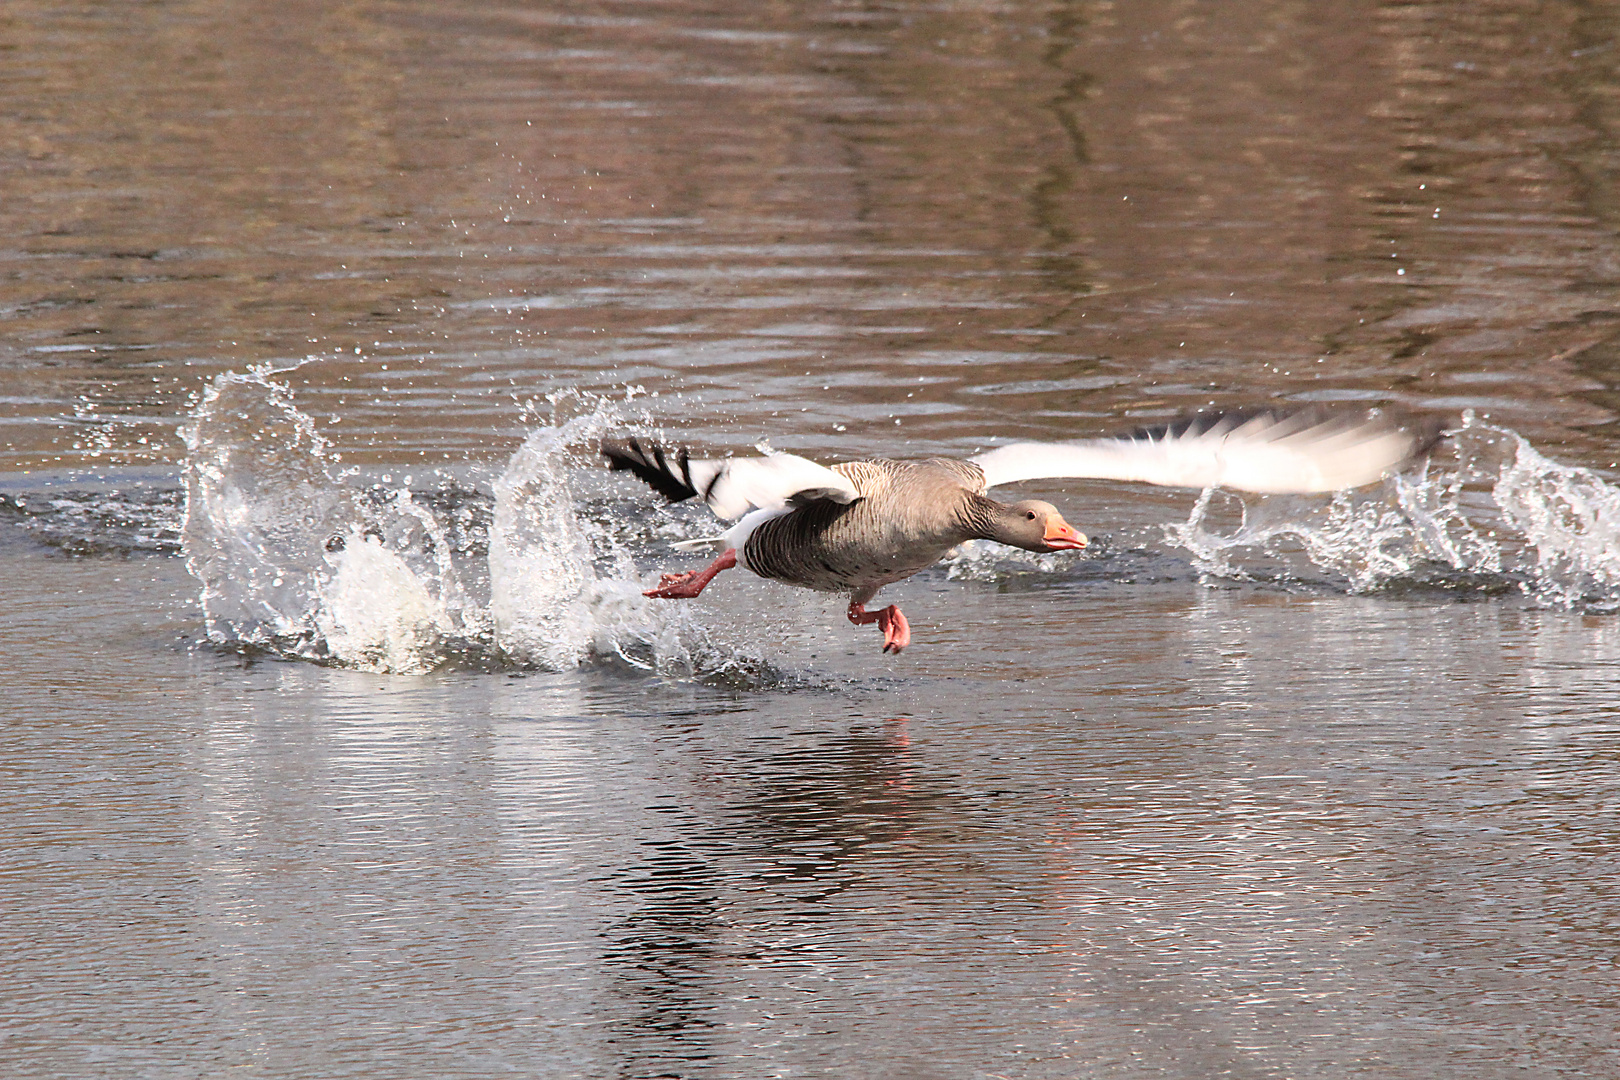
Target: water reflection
[744,207]
[741,882]
[1244,830]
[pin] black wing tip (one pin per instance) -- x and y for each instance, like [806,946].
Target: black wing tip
[651,465]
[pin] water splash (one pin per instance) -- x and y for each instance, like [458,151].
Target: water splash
[1502,517]
[985,560]
[375,613]
[262,500]
[392,597]
[298,556]
[540,569]
[564,587]
[1570,520]
[301,556]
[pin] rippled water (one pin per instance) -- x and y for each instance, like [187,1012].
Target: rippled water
[341,741]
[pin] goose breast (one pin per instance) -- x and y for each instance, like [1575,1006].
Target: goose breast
[909,515]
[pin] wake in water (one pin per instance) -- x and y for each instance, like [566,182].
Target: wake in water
[1500,517]
[300,556]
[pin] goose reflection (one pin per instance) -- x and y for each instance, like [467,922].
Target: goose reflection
[725,890]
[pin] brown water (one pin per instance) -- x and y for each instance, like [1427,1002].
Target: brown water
[1300,788]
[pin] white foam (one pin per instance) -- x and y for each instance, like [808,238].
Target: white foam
[1503,515]
[296,557]
[375,613]
[539,554]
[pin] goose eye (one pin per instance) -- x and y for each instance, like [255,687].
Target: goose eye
[1030,515]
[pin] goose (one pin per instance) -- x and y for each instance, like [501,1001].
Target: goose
[856,526]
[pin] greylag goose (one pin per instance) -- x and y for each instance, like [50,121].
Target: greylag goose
[860,525]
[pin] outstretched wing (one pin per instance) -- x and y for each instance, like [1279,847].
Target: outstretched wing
[1271,451]
[730,486]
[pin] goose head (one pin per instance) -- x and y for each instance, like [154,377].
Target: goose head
[1034,526]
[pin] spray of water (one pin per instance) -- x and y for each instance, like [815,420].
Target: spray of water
[296,559]
[262,502]
[542,582]
[1502,516]
[303,557]
[298,556]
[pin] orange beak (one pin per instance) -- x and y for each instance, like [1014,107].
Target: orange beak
[1060,536]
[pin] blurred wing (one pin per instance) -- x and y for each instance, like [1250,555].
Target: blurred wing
[1271,452]
[730,486]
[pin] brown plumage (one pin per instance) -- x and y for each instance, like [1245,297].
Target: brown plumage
[887,521]
[908,516]
[858,526]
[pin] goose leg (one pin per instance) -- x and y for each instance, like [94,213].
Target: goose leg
[896,631]
[686,586]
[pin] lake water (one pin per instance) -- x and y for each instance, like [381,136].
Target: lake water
[339,740]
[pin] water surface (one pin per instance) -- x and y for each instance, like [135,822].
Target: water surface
[1293,788]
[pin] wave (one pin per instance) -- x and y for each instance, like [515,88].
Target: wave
[123,517]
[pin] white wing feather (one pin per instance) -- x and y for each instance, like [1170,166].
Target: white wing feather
[734,486]
[1270,453]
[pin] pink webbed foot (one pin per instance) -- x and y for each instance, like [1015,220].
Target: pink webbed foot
[688,585]
[896,631]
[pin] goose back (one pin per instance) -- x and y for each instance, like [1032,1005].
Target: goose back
[909,515]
